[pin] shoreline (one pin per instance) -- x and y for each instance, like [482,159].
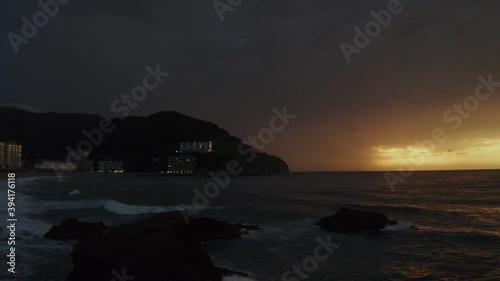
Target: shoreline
[19,175]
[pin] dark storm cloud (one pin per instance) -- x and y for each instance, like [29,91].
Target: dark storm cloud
[265,54]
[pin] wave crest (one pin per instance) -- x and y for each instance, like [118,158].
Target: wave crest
[400,226]
[237,278]
[126,209]
[75,192]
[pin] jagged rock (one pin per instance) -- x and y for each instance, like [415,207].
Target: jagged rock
[353,221]
[161,247]
[73,229]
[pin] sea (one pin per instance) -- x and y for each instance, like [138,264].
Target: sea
[449,223]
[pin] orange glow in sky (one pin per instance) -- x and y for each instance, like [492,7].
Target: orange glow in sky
[481,153]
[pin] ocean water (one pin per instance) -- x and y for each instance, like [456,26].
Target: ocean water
[449,230]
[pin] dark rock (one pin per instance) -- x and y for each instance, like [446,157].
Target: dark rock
[206,229]
[353,221]
[160,247]
[73,229]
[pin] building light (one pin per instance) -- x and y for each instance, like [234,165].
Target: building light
[11,155]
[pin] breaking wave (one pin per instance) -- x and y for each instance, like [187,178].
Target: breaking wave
[237,278]
[126,209]
[75,192]
[400,226]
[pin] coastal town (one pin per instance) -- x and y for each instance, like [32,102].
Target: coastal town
[181,162]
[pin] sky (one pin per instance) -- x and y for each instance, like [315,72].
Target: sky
[392,107]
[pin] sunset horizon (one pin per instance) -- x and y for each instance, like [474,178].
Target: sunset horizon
[250,140]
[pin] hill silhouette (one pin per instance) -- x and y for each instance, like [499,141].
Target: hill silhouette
[141,142]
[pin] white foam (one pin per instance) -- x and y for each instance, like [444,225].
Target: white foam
[75,192]
[400,226]
[125,209]
[42,206]
[237,278]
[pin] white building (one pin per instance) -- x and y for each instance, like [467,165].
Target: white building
[55,165]
[196,147]
[107,166]
[11,155]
